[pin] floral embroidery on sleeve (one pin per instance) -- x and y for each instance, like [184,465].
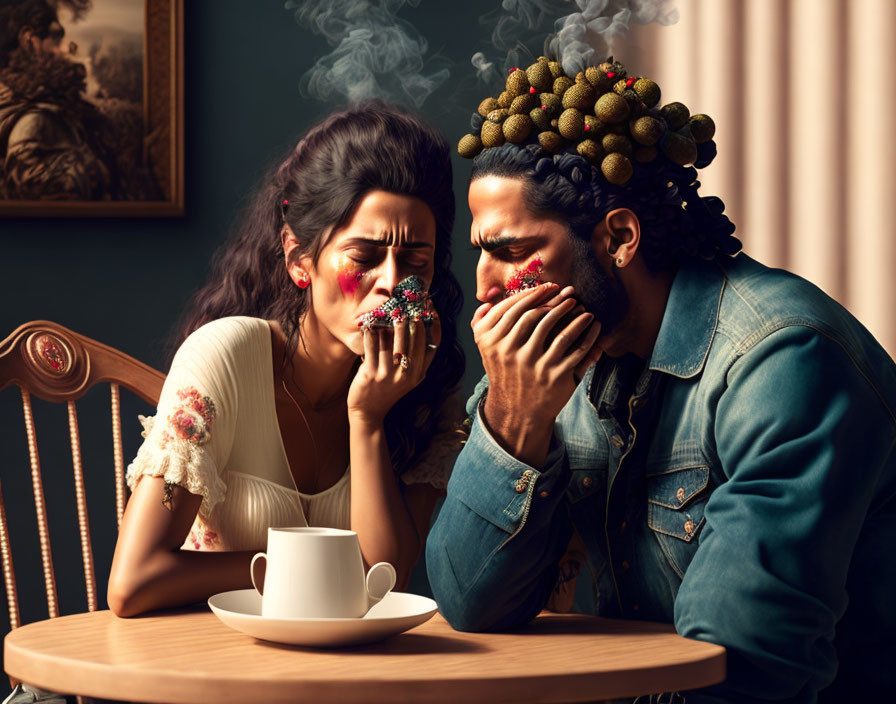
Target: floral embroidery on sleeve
[177,446]
[193,417]
[201,537]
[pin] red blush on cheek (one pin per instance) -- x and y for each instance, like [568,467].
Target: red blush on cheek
[349,281]
[348,277]
[528,276]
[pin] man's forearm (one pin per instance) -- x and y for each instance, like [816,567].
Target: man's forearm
[492,554]
[524,437]
[506,589]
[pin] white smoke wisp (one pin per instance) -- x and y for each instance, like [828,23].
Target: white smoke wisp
[375,54]
[578,33]
[517,26]
[485,69]
[588,36]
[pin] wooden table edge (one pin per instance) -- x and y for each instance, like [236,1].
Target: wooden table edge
[104,680]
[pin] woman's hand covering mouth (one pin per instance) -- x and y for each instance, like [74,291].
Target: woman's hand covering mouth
[409,302]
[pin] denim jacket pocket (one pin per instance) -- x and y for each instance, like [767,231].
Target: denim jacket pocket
[588,477]
[676,498]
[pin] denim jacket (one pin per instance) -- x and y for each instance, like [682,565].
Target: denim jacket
[742,488]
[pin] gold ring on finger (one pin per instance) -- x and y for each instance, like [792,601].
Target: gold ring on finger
[404,363]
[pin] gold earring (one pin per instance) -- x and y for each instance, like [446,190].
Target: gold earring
[619,261]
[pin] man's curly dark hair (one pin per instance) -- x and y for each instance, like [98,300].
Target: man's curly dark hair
[675,220]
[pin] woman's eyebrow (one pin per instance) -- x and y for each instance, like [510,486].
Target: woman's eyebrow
[384,242]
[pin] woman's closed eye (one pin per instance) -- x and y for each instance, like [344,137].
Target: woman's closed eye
[410,259]
[364,257]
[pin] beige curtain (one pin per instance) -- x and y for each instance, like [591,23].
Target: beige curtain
[803,93]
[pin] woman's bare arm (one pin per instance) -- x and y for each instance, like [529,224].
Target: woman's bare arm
[150,571]
[380,514]
[391,520]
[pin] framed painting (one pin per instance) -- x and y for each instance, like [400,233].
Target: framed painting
[91,108]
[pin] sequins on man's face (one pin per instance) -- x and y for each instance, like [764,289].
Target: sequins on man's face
[525,277]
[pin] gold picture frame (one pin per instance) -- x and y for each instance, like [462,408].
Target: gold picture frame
[157,145]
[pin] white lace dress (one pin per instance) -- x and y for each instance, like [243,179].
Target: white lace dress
[215,433]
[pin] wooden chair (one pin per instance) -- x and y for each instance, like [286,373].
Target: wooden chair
[55,364]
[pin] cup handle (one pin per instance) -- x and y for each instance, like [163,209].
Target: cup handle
[380,580]
[252,571]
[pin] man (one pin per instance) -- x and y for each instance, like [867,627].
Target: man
[727,465]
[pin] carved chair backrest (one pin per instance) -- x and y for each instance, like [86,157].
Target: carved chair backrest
[55,364]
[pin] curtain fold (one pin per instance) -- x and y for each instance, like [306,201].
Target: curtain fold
[802,93]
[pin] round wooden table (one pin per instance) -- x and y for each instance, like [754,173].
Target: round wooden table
[188,656]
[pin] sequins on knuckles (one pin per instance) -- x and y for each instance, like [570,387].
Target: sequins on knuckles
[409,301]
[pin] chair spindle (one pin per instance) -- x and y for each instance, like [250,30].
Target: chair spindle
[40,508]
[118,452]
[81,502]
[9,573]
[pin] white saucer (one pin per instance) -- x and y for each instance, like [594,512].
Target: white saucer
[396,613]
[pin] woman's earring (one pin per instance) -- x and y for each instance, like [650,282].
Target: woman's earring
[304,280]
[619,261]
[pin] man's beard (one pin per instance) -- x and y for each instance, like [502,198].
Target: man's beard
[600,294]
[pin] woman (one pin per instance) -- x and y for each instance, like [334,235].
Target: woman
[278,389]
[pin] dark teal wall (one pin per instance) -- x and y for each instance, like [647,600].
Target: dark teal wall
[125,281]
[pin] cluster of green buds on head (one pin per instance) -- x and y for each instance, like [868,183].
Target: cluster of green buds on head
[611,119]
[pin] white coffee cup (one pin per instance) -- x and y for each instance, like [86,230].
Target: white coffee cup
[318,573]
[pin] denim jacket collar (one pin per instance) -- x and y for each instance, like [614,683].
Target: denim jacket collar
[690,319]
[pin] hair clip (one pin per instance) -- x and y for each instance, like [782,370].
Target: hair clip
[284,208]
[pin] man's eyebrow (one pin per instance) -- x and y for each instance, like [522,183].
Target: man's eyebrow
[490,244]
[384,242]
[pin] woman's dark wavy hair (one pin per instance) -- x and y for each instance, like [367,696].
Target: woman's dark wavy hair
[372,146]
[675,220]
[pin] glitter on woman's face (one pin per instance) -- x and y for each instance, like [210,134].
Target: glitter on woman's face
[348,275]
[528,276]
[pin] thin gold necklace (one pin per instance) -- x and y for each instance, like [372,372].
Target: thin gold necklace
[310,435]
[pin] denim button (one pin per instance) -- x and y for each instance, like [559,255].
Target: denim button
[543,494]
[625,564]
[688,527]
[587,481]
[680,494]
[617,441]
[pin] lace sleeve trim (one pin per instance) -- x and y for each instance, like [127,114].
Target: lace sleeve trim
[175,450]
